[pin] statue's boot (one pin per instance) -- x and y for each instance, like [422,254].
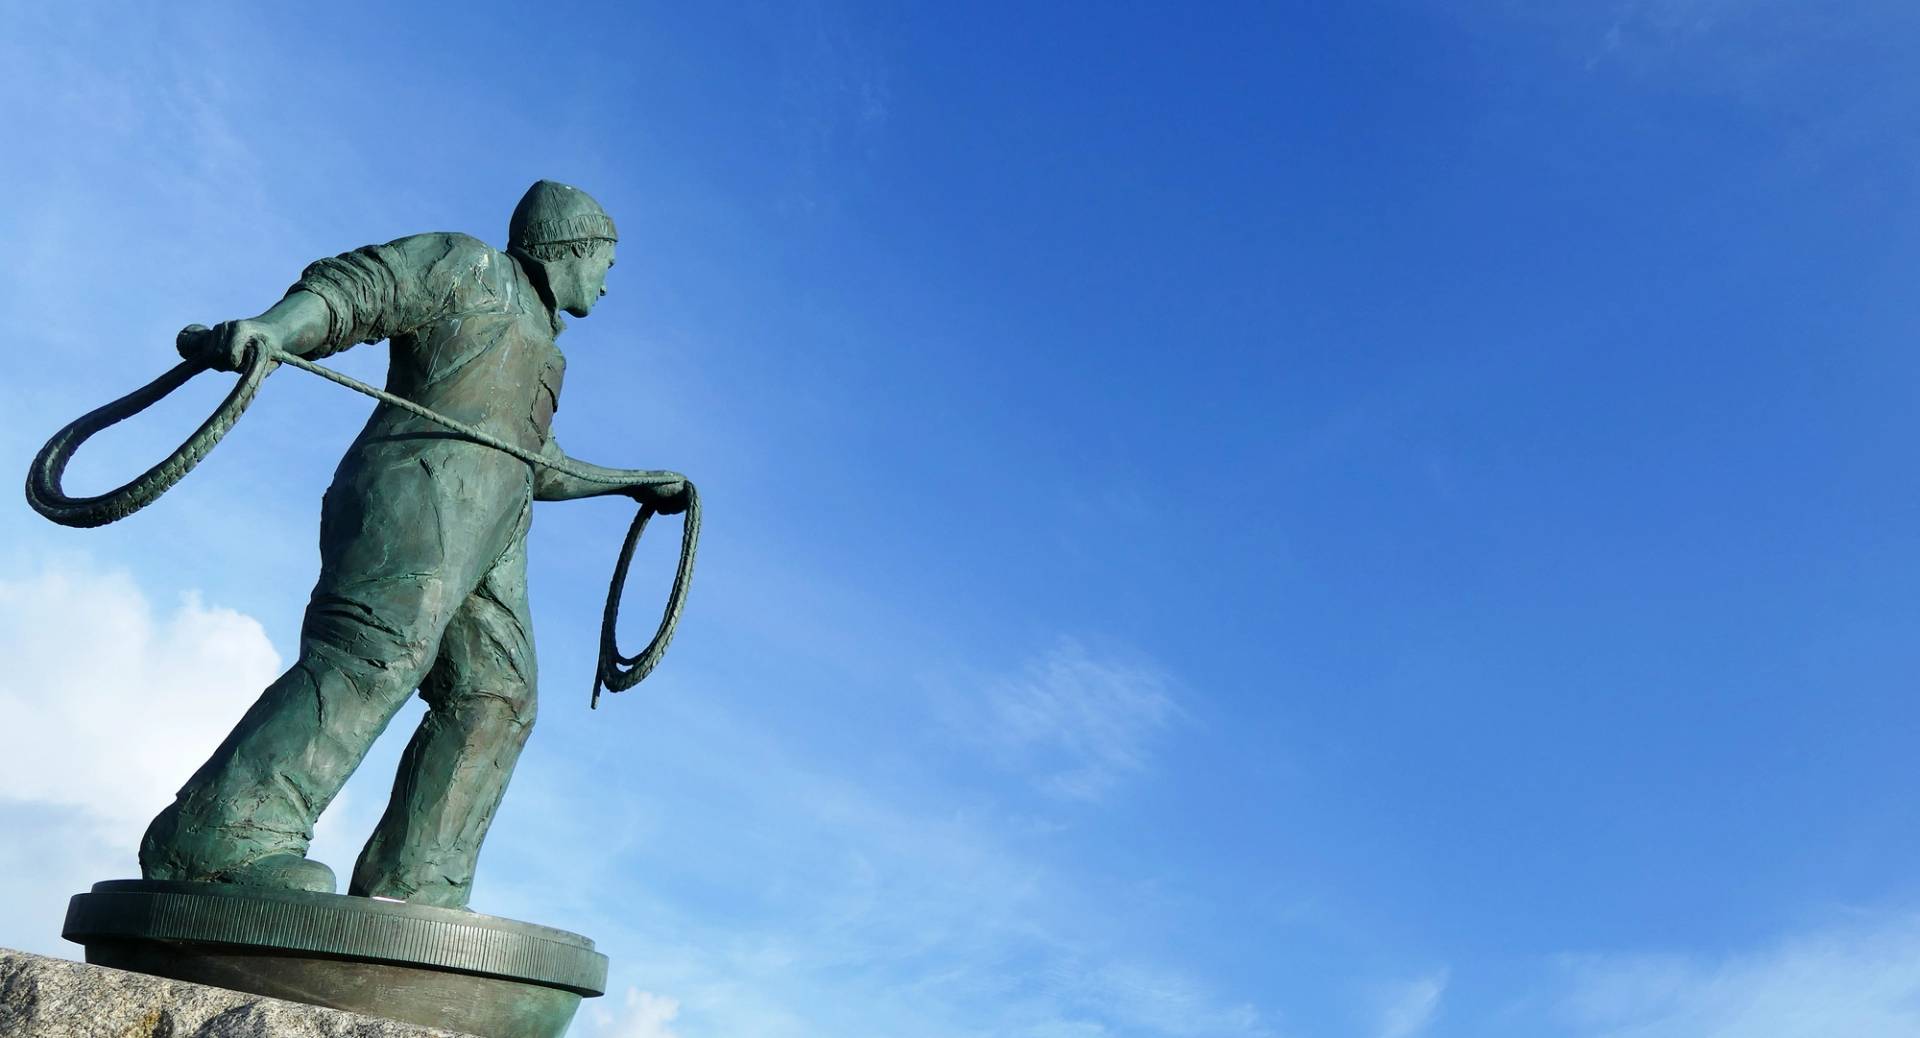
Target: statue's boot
[282,872]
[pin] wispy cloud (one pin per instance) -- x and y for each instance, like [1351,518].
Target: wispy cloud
[92,103]
[1408,1009]
[823,898]
[1861,980]
[1079,723]
[1754,50]
[835,100]
[1163,1002]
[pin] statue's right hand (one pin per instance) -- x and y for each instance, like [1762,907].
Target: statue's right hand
[224,346]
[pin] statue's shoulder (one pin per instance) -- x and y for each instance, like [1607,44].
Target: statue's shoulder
[477,270]
[435,246]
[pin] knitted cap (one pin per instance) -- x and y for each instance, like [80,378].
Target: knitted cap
[554,212]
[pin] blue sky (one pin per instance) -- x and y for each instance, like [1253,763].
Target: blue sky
[1383,519]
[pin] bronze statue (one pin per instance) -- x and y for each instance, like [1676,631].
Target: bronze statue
[423,541]
[423,551]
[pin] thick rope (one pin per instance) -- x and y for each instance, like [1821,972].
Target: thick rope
[615,672]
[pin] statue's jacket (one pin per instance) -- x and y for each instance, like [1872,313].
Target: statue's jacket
[417,517]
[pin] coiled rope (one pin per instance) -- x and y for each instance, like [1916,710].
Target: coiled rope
[615,671]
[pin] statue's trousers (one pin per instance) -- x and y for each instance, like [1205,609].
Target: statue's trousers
[422,585]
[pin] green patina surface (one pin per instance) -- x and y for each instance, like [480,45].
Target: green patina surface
[423,558]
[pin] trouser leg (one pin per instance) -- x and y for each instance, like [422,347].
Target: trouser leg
[481,701]
[261,791]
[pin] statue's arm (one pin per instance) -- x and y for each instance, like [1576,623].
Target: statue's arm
[299,322]
[382,291]
[366,295]
[552,485]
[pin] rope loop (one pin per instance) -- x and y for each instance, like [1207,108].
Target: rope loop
[45,493]
[617,671]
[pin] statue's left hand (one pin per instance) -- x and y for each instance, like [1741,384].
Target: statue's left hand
[666,498]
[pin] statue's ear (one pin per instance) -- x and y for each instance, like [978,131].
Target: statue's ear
[536,272]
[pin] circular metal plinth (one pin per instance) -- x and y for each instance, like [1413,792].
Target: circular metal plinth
[439,967]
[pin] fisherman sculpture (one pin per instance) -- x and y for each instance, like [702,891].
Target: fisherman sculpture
[423,554]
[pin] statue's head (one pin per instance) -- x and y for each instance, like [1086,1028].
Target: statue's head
[565,235]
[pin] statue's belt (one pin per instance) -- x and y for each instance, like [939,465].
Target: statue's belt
[615,671]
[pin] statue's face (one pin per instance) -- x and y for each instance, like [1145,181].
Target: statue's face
[578,282]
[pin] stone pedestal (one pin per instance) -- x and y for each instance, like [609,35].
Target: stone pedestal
[54,998]
[435,967]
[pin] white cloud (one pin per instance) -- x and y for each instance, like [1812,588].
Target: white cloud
[1406,1010]
[1861,981]
[111,704]
[1081,723]
[646,1015]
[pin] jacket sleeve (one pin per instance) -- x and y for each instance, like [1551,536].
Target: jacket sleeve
[547,483]
[382,291]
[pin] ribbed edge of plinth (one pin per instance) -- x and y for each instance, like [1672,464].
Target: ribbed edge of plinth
[336,925]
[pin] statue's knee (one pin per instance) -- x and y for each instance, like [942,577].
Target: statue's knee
[509,711]
[396,639]
[521,708]
[337,674]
